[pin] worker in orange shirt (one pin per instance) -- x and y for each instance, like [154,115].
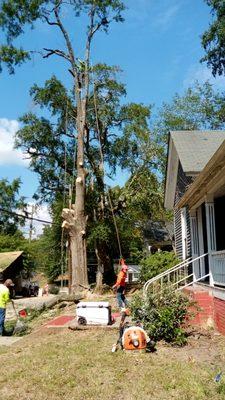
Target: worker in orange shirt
[120,285]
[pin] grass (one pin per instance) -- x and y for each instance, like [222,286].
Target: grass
[79,365]
[33,319]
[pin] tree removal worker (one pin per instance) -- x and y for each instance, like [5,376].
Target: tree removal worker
[121,284]
[4,299]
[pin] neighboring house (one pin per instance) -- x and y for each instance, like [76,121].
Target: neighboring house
[195,190]
[133,273]
[158,236]
[188,154]
[11,264]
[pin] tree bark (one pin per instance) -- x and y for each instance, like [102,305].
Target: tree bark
[99,274]
[75,219]
[107,265]
[77,230]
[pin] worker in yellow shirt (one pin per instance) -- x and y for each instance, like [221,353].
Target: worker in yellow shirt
[4,299]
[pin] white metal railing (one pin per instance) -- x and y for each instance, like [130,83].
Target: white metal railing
[179,276]
[218,267]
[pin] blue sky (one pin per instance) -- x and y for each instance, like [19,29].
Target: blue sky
[158,48]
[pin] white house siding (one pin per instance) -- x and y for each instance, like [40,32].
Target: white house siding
[178,233]
[182,231]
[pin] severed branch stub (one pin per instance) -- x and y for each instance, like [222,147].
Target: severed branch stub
[69,219]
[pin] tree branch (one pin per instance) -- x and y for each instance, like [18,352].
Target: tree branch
[67,40]
[50,22]
[57,52]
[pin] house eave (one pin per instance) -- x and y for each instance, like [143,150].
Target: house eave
[171,175]
[207,182]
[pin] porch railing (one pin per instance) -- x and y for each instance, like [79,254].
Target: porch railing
[218,267]
[179,276]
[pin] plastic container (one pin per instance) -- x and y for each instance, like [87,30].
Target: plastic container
[94,313]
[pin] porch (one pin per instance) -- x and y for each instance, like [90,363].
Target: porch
[207,234]
[204,203]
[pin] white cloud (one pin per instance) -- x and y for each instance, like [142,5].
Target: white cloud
[138,12]
[8,155]
[164,19]
[201,73]
[147,13]
[42,213]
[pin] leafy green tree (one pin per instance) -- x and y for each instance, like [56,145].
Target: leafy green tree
[156,263]
[113,129]
[51,245]
[135,204]
[200,107]
[10,242]
[213,40]
[10,203]
[144,195]
[14,17]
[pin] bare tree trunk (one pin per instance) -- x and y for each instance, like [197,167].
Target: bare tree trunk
[69,268]
[105,271]
[99,274]
[75,219]
[107,265]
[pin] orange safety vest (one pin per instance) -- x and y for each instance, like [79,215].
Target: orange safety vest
[121,278]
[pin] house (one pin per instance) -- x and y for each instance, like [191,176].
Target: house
[195,190]
[133,272]
[158,236]
[11,264]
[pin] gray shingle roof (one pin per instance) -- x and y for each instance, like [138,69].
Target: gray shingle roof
[195,148]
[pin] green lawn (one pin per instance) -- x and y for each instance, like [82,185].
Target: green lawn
[79,365]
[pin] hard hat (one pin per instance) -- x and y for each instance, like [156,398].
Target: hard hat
[9,282]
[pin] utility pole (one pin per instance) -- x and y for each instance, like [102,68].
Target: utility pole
[33,208]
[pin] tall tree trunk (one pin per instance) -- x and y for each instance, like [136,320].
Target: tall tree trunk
[105,270]
[106,262]
[99,274]
[75,219]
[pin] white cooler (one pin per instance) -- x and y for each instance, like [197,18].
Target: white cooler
[94,313]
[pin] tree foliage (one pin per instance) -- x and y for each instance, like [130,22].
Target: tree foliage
[162,314]
[11,205]
[113,133]
[17,15]
[156,263]
[213,40]
[51,245]
[200,107]
[125,142]
[123,130]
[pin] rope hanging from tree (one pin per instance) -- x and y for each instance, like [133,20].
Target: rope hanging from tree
[102,160]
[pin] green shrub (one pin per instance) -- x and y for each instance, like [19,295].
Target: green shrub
[156,263]
[54,289]
[162,315]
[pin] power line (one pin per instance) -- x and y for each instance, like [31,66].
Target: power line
[26,217]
